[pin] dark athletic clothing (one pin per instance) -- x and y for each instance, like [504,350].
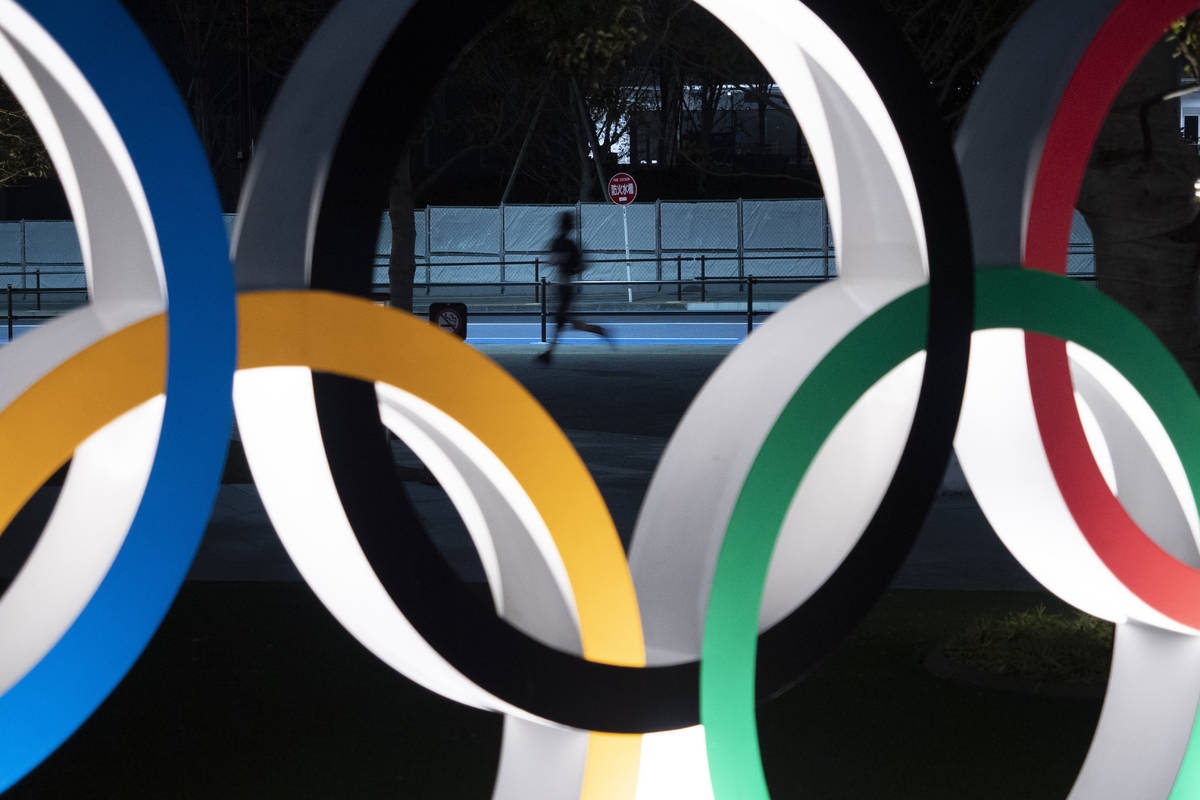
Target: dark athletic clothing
[566,293]
[566,256]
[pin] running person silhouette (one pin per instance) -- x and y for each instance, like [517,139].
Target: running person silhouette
[565,255]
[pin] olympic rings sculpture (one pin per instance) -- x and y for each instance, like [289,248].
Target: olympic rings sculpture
[745,568]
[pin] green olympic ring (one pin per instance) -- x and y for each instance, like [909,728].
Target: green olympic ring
[1037,302]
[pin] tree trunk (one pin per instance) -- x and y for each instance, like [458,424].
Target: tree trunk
[512,177]
[671,105]
[1140,203]
[587,169]
[402,264]
[762,126]
[587,176]
[588,125]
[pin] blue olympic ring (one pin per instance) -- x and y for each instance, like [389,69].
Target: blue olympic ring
[57,696]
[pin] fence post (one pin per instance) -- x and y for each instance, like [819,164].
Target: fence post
[578,240]
[703,277]
[543,282]
[428,251]
[24,254]
[679,276]
[10,327]
[503,265]
[749,304]
[658,241]
[537,276]
[37,274]
[741,242]
[825,238]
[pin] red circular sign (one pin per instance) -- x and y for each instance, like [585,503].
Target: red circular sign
[622,188]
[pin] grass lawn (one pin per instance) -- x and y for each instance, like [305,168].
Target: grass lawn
[872,722]
[251,690]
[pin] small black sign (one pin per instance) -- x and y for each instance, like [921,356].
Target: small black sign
[450,317]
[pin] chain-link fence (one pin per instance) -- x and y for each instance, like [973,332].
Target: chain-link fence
[509,246]
[1081,252]
[48,249]
[666,241]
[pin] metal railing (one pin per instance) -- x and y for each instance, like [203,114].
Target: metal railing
[699,262]
[38,292]
[540,294]
[702,283]
[380,290]
[544,312]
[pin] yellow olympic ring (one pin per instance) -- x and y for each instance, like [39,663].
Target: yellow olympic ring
[126,369]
